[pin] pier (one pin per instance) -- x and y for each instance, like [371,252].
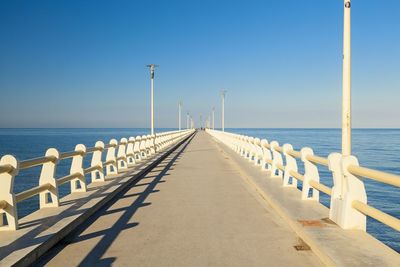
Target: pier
[195,195]
[198,199]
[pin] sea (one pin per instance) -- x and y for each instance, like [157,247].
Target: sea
[375,148]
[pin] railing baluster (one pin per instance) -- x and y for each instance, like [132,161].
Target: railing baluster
[78,184]
[111,160]
[267,156]
[251,151]
[49,198]
[7,196]
[291,165]
[258,152]
[347,188]
[311,173]
[121,156]
[276,160]
[97,175]
[136,149]
[152,144]
[130,155]
[142,147]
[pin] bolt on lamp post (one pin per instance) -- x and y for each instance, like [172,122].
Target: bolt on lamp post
[152,67]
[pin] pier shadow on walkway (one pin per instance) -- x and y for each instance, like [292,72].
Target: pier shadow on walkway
[107,236]
[35,232]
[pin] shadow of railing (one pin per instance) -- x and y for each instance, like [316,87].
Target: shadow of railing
[94,257]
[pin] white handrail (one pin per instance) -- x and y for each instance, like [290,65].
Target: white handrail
[344,169]
[116,161]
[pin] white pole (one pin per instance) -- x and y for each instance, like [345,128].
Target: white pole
[179,117]
[152,67]
[187,120]
[152,104]
[213,119]
[223,109]
[346,86]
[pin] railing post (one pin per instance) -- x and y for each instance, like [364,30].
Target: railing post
[242,145]
[235,140]
[251,149]
[121,156]
[142,147]
[7,194]
[111,167]
[156,142]
[153,148]
[148,145]
[97,175]
[347,188]
[47,176]
[276,159]
[136,149]
[78,184]
[258,152]
[267,156]
[311,173]
[247,149]
[238,143]
[161,142]
[130,155]
[242,151]
[291,165]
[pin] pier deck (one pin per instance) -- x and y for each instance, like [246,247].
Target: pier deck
[193,209]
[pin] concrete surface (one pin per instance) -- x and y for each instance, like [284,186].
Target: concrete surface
[41,230]
[333,245]
[194,209]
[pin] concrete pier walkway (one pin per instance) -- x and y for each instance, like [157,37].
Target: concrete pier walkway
[193,209]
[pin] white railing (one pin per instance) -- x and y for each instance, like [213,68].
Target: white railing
[348,204]
[120,157]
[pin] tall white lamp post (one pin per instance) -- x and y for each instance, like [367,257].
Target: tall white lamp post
[179,116]
[346,86]
[223,93]
[152,67]
[213,118]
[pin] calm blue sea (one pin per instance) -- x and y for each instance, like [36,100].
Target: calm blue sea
[375,148]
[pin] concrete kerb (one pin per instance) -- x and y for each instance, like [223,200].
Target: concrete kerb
[327,257]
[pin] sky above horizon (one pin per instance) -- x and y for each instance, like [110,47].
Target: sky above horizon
[82,63]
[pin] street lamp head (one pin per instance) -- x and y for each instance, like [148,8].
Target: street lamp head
[223,93]
[152,67]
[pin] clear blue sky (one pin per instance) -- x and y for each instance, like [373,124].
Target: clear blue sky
[82,63]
